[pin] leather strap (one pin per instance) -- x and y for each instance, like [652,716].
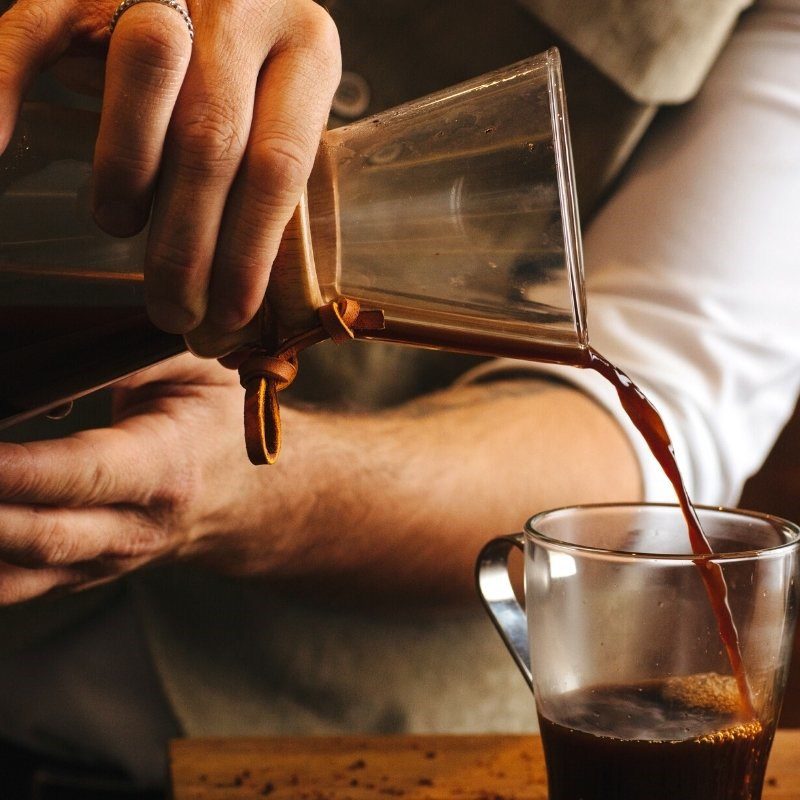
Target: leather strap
[341,319]
[262,428]
[280,369]
[262,377]
[264,374]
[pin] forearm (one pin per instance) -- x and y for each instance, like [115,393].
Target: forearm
[364,506]
[403,499]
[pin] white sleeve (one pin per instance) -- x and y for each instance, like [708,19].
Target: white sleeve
[693,265]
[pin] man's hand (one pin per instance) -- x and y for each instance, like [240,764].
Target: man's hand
[169,480]
[394,503]
[218,138]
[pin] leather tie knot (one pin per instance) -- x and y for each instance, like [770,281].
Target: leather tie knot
[337,319]
[281,369]
[264,374]
[343,318]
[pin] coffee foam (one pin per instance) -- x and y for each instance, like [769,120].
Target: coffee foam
[706,691]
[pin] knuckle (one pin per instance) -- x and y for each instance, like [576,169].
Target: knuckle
[171,261]
[210,140]
[144,41]
[121,161]
[281,165]
[92,479]
[30,20]
[321,28]
[172,283]
[19,475]
[316,26]
[243,303]
[316,33]
[145,541]
[101,485]
[49,544]
[171,506]
[148,540]
[186,485]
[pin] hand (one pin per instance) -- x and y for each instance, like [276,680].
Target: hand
[169,480]
[386,504]
[219,137]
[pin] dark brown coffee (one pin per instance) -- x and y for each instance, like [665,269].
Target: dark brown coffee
[654,741]
[61,337]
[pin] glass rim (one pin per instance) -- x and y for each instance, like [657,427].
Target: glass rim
[568,198]
[530,532]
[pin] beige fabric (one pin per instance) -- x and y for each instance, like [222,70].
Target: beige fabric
[282,665]
[659,51]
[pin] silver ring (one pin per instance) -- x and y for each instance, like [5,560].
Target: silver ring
[173,4]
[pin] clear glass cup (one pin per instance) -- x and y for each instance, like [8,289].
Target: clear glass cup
[632,684]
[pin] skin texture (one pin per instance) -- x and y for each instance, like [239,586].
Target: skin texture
[382,503]
[218,137]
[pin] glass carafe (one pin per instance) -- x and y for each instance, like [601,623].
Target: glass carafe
[453,217]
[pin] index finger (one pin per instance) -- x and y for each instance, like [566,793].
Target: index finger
[93,467]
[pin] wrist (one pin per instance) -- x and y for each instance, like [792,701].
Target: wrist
[290,509]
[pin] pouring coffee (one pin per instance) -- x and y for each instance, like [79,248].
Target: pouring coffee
[450,223]
[621,647]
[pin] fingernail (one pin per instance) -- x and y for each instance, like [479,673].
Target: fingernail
[118,219]
[172,318]
[226,319]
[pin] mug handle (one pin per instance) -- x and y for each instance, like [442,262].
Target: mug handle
[497,596]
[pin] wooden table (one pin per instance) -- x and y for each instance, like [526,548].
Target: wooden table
[407,767]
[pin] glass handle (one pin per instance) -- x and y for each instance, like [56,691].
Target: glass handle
[497,595]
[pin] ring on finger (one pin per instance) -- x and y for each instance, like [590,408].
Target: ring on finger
[173,4]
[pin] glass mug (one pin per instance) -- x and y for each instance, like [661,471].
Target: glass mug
[620,645]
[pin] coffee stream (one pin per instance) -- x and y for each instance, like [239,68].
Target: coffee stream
[648,422]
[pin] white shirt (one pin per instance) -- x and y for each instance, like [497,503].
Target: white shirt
[693,266]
